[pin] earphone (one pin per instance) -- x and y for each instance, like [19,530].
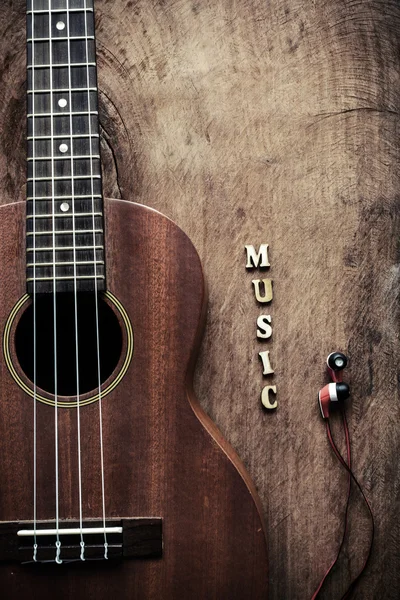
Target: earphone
[335,393]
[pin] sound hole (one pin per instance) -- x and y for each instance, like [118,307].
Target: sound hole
[68,347]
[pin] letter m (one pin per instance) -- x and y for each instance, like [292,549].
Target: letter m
[255,259]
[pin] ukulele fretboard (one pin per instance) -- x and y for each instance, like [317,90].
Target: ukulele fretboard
[65,240]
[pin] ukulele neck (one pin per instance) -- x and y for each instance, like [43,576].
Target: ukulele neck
[65,233]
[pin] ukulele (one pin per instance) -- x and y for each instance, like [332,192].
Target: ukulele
[113,481]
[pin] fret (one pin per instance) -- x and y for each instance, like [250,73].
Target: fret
[43,208]
[63,237]
[44,255]
[62,215]
[65,221]
[73,232]
[63,52]
[59,158]
[81,101]
[58,78]
[62,184]
[83,269]
[72,37]
[64,90]
[65,242]
[61,137]
[57,11]
[66,224]
[80,23]
[82,125]
[64,248]
[65,65]
[73,277]
[63,187]
[82,199]
[69,177]
[61,199]
[58,4]
[62,271]
[61,169]
[65,264]
[70,256]
[82,145]
[82,285]
[67,114]
[83,167]
[82,203]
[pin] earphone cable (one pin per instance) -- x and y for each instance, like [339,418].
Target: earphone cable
[353,477]
[348,449]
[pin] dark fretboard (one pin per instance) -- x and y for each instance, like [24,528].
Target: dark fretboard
[65,240]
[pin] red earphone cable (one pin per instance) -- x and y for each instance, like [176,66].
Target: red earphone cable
[353,477]
[347,466]
[315,595]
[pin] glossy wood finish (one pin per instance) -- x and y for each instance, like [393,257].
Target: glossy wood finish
[163,457]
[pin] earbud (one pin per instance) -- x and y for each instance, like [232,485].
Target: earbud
[336,392]
[336,361]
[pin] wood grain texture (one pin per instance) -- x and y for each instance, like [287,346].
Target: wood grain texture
[278,122]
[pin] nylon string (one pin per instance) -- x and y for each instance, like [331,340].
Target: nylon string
[78,412]
[96,291]
[35,546]
[58,543]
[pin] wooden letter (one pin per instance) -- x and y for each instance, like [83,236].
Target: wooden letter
[264,330]
[253,259]
[267,297]
[265,397]
[268,370]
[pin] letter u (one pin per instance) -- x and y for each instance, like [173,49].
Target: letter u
[267,296]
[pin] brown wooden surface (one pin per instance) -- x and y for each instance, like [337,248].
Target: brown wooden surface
[214,545]
[276,122]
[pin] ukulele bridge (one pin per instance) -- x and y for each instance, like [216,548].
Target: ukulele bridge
[120,539]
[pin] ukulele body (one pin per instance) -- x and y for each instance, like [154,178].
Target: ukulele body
[163,457]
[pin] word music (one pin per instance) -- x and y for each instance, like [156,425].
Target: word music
[263,294]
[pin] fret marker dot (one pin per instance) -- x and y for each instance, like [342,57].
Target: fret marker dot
[62,103]
[63,148]
[60,25]
[64,207]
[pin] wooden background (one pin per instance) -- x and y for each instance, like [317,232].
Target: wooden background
[278,122]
